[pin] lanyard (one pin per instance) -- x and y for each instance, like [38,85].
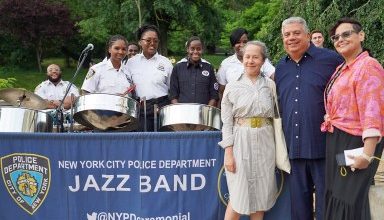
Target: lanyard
[332,81]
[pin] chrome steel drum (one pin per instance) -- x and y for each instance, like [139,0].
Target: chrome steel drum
[107,112]
[13,119]
[189,117]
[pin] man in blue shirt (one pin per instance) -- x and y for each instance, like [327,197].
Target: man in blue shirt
[301,77]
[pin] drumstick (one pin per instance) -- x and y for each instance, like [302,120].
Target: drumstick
[129,90]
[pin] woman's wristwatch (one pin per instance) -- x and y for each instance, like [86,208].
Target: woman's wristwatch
[368,158]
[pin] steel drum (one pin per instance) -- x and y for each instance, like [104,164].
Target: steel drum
[107,112]
[13,119]
[189,117]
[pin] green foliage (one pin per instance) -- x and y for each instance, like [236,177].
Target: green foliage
[7,83]
[176,19]
[322,15]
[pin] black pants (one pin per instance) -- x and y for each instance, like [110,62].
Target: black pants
[161,101]
[346,196]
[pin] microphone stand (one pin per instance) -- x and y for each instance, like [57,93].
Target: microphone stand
[59,110]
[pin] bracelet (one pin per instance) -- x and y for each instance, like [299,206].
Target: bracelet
[368,158]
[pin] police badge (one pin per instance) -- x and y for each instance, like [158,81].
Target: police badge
[161,67]
[27,178]
[205,73]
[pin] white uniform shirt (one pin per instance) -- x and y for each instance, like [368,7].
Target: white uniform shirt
[48,90]
[104,78]
[151,76]
[231,69]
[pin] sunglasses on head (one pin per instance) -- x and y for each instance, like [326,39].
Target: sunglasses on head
[344,35]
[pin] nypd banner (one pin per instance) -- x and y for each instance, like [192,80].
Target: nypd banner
[116,176]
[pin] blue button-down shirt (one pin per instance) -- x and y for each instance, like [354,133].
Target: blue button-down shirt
[300,87]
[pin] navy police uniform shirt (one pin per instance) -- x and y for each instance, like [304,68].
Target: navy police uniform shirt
[300,88]
[193,83]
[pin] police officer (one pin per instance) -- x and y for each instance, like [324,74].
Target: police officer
[150,73]
[53,89]
[108,76]
[133,49]
[232,67]
[193,80]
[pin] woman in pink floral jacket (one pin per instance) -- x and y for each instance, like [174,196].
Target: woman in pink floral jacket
[354,118]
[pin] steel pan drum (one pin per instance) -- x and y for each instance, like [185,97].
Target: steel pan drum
[13,119]
[189,117]
[107,112]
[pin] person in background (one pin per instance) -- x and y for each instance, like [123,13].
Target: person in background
[247,108]
[232,67]
[151,74]
[355,118]
[133,49]
[108,76]
[193,80]
[53,89]
[317,38]
[300,78]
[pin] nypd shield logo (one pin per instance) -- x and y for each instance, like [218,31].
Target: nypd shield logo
[27,178]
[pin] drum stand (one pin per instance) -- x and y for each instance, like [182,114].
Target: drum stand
[155,106]
[144,100]
[59,109]
[71,115]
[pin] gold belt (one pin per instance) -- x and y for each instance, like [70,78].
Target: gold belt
[253,122]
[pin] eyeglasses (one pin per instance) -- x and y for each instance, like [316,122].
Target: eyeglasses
[344,35]
[148,41]
[131,50]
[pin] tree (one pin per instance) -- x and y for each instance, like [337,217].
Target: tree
[100,19]
[322,15]
[35,23]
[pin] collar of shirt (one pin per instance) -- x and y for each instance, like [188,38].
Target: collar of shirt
[154,57]
[196,65]
[361,56]
[311,51]
[234,59]
[247,80]
[51,83]
[110,65]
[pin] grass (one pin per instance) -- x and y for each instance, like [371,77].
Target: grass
[30,78]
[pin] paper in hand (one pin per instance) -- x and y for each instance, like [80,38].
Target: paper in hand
[354,152]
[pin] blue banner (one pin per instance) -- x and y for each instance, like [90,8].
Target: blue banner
[110,176]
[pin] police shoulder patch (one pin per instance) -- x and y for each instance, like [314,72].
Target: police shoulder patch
[216,86]
[90,73]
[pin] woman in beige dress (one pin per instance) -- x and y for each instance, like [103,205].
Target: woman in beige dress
[248,138]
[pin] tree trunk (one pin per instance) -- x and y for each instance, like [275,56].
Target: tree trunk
[163,28]
[38,55]
[139,11]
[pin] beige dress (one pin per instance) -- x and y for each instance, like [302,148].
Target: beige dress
[253,186]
